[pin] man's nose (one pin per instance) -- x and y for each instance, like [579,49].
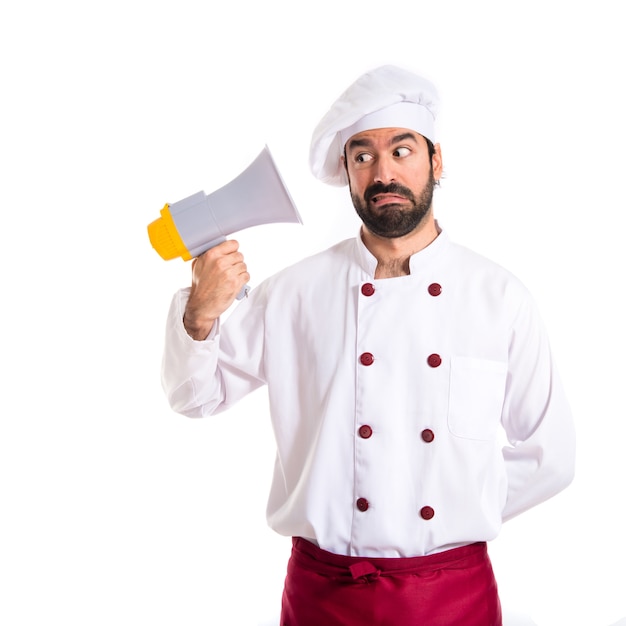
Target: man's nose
[384,172]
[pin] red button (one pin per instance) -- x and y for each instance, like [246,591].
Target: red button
[365,431]
[362,504]
[368,289]
[427,512]
[367,358]
[428,435]
[434,360]
[434,289]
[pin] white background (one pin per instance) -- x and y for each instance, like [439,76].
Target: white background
[113,509]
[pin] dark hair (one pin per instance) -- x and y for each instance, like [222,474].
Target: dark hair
[431,148]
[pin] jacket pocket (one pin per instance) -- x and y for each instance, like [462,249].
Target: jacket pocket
[477,388]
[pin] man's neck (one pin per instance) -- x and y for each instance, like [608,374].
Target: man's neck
[393,255]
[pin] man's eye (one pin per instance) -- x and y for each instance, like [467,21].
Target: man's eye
[363,157]
[401,152]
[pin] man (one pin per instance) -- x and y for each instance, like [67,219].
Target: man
[392,361]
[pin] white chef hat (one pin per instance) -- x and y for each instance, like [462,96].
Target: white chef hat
[386,97]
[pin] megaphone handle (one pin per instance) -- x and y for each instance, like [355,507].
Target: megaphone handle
[211,244]
[243,293]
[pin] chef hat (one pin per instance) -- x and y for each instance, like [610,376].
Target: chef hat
[387,97]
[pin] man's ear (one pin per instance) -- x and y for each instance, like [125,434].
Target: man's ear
[437,162]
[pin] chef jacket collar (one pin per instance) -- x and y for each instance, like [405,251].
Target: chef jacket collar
[418,261]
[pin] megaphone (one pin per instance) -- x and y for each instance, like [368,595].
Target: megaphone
[195,224]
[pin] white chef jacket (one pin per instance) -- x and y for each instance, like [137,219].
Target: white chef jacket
[388,397]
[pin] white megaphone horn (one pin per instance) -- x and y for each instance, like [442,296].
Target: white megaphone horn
[193,225]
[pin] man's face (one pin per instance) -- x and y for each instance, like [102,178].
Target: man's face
[391,179]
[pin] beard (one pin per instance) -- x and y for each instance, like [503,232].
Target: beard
[394,220]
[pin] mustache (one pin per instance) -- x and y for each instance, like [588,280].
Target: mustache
[394,188]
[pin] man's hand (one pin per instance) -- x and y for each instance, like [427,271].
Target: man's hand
[218,276]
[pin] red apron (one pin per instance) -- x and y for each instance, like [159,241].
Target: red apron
[451,588]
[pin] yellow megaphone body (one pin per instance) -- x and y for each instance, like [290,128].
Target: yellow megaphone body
[199,222]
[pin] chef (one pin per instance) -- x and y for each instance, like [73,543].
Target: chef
[396,363]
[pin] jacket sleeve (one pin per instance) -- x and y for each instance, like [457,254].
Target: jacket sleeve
[202,378]
[537,418]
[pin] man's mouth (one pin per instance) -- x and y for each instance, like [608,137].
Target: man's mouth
[387,198]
